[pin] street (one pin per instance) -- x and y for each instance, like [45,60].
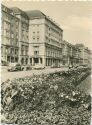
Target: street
[20,74]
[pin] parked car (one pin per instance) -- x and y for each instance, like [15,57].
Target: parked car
[38,66]
[15,67]
[54,66]
[27,67]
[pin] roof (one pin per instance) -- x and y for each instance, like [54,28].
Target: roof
[67,43]
[79,45]
[18,11]
[35,14]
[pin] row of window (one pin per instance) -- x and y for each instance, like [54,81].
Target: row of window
[8,50]
[24,50]
[36,38]
[54,33]
[54,53]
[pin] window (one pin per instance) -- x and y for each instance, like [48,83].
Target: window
[36,46]
[16,51]
[8,58]
[16,59]
[12,35]
[30,60]
[41,60]
[37,39]
[12,59]
[36,52]
[12,50]
[33,38]
[1,49]
[26,60]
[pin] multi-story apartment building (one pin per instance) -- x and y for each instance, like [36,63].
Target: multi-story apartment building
[75,55]
[67,53]
[85,54]
[70,54]
[45,40]
[23,35]
[9,36]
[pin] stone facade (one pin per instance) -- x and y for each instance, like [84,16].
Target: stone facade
[23,35]
[33,38]
[45,40]
[85,54]
[9,36]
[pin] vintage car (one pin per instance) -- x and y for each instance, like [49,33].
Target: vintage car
[38,66]
[15,67]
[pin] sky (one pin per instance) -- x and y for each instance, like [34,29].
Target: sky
[74,17]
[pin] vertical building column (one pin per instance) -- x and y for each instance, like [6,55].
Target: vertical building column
[68,61]
[28,60]
[39,60]
[44,61]
[32,61]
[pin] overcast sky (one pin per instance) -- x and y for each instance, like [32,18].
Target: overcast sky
[75,18]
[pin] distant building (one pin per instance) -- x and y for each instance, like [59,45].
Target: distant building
[71,54]
[85,54]
[67,53]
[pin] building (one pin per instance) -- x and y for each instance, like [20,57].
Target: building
[9,36]
[85,54]
[45,40]
[75,56]
[33,38]
[23,35]
[67,53]
[71,54]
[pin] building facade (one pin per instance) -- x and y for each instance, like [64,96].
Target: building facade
[33,38]
[85,54]
[23,35]
[9,36]
[71,54]
[45,40]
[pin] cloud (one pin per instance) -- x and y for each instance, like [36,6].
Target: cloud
[77,23]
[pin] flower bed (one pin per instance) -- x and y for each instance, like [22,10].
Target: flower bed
[51,99]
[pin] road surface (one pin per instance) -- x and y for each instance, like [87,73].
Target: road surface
[20,74]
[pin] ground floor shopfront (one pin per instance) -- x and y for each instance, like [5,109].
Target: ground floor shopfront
[42,60]
[45,61]
[70,61]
